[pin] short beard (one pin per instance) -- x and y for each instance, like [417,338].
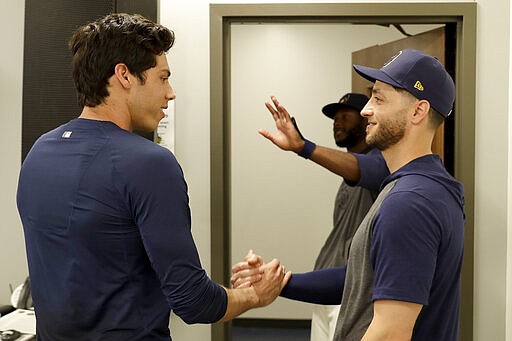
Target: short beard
[350,141]
[354,136]
[390,132]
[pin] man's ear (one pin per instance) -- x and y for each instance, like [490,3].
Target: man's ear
[421,111]
[123,75]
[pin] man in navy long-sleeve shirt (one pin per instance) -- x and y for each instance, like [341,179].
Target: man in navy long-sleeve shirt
[105,212]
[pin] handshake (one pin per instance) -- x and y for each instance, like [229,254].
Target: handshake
[266,280]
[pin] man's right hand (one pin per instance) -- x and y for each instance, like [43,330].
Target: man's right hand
[286,137]
[247,272]
[274,278]
[267,280]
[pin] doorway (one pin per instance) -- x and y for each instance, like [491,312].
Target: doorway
[461,15]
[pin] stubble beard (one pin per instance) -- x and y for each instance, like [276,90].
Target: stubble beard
[388,133]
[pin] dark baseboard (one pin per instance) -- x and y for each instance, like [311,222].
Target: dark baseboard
[271,323]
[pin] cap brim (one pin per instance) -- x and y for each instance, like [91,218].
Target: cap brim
[330,110]
[373,75]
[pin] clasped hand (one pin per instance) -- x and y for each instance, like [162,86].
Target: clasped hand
[267,279]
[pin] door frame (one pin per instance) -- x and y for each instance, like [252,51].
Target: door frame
[221,17]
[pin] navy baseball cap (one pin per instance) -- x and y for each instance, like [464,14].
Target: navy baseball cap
[420,74]
[350,100]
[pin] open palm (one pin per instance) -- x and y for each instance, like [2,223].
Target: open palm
[286,137]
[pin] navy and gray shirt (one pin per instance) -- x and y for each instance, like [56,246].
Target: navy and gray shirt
[408,248]
[107,228]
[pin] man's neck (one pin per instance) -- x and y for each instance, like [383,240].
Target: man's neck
[402,153]
[107,112]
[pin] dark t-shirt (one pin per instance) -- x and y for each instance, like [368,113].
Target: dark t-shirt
[408,248]
[107,229]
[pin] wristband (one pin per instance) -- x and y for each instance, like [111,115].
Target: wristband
[307,150]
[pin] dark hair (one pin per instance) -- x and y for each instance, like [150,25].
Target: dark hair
[435,118]
[97,47]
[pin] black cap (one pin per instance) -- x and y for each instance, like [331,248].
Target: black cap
[350,100]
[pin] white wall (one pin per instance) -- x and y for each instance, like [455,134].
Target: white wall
[13,268]
[492,136]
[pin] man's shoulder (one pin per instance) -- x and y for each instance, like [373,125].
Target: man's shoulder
[141,162]
[416,195]
[137,148]
[414,182]
[413,190]
[426,185]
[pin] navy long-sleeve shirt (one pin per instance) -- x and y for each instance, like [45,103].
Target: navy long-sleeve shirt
[107,228]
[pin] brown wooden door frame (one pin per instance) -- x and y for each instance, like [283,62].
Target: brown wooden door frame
[221,16]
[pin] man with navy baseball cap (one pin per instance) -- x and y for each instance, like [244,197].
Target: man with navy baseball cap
[403,273]
[420,74]
[402,280]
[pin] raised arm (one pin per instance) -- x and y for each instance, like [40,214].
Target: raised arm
[288,138]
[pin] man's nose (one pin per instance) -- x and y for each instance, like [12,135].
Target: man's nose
[367,110]
[170,94]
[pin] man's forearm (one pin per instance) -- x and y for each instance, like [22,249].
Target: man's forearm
[342,163]
[239,301]
[392,321]
[324,286]
[381,335]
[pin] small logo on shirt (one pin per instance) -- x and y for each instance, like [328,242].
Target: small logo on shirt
[67,134]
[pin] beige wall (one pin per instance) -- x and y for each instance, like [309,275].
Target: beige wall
[509,192]
[13,268]
[491,171]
